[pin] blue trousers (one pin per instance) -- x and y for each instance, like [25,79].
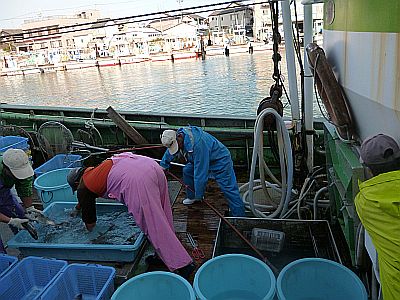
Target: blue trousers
[226,179]
[10,207]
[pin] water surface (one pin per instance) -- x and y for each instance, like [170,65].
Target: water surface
[219,86]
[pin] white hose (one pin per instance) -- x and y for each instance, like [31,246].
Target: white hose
[286,165]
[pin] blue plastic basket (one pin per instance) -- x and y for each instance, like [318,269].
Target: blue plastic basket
[29,278]
[88,281]
[6,263]
[14,142]
[59,161]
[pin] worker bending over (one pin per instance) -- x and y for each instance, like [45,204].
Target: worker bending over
[139,183]
[205,157]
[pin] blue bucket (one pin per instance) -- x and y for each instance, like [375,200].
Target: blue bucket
[155,285]
[317,278]
[234,276]
[53,187]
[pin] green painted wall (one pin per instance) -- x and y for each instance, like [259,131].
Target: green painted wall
[365,16]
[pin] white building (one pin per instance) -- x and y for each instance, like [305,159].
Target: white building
[181,36]
[46,34]
[263,24]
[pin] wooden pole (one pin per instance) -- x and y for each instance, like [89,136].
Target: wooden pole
[131,132]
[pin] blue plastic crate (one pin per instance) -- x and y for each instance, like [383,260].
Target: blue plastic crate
[83,252]
[14,142]
[87,281]
[6,263]
[29,278]
[59,161]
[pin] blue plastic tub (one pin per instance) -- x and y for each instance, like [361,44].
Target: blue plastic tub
[29,278]
[6,263]
[59,161]
[90,281]
[155,285]
[14,142]
[86,252]
[234,276]
[317,278]
[53,186]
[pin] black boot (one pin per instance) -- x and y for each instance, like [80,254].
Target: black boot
[186,270]
[153,260]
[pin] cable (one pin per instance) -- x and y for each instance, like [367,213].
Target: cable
[316,198]
[127,20]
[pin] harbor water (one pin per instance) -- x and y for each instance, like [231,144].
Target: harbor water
[218,85]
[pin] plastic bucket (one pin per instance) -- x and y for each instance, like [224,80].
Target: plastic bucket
[317,278]
[234,276]
[155,285]
[53,187]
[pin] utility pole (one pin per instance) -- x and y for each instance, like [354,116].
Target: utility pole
[180,6]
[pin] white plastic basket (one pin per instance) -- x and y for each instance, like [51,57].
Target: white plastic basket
[268,240]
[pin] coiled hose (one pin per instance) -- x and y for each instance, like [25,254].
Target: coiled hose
[286,167]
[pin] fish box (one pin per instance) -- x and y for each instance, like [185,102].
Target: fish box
[67,246]
[291,240]
[13,142]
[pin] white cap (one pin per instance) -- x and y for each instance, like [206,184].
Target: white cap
[168,139]
[18,163]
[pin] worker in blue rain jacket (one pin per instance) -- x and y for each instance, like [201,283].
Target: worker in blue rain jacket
[16,171]
[205,157]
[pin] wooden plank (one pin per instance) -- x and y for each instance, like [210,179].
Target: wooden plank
[122,124]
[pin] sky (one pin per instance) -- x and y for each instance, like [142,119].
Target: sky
[14,12]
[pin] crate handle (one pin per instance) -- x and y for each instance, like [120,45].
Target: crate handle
[51,198]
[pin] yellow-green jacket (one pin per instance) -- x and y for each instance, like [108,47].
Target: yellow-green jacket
[378,206]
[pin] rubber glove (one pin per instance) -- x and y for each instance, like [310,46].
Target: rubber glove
[76,211]
[33,214]
[17,222]
[90,226]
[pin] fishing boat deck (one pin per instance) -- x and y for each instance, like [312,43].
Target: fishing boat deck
[198,220]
